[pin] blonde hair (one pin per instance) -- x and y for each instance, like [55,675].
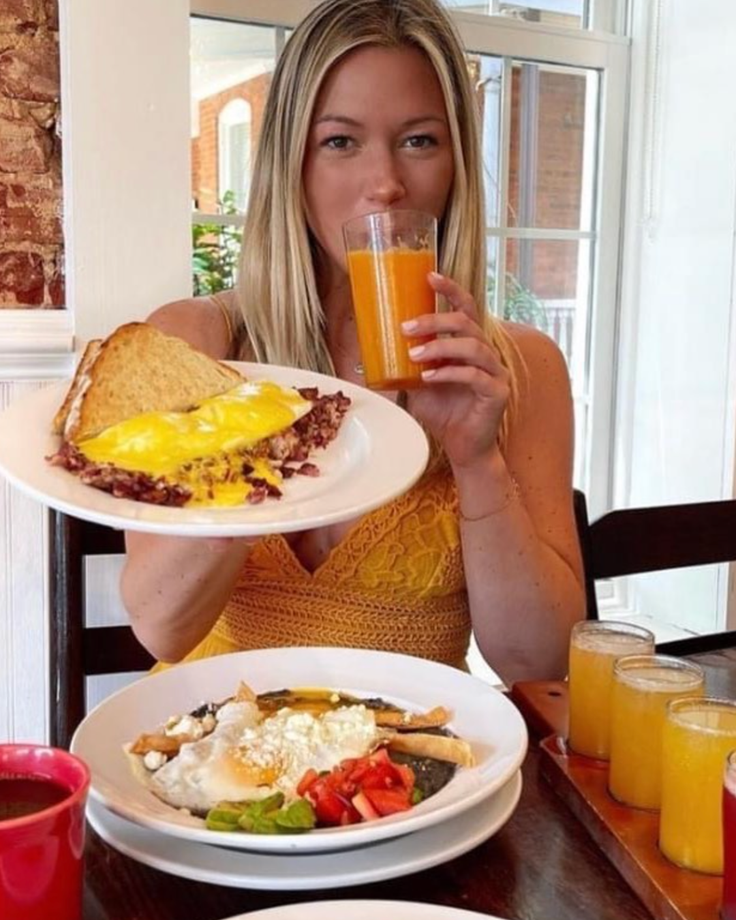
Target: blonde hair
[282,315]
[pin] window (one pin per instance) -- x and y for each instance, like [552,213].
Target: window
[234,153]
[540,95]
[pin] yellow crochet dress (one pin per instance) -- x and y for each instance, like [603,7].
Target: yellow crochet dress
[394,583]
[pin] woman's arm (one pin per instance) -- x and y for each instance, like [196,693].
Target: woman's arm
[174,588]
[520,548]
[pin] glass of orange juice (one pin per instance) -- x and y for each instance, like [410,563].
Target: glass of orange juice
[697,736]
[389,255]
[642,687]
[594,647]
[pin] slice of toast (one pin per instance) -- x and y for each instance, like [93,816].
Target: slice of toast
[137,369]
[79,383]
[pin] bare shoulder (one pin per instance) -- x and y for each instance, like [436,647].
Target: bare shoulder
[539,353]
[197,320]
[545,393]
[541,362]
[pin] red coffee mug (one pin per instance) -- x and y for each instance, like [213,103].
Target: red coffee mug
[41,853]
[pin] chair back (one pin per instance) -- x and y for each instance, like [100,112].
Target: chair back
[78,651]
[637,540]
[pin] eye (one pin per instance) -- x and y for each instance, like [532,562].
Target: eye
[337,142]
[419,141]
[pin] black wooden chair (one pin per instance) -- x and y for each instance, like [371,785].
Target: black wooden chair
[638,540]
[76,650]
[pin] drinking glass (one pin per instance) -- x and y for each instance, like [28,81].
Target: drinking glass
[43,791]
[389,255]
[642,687]
[594,646]
[697,736]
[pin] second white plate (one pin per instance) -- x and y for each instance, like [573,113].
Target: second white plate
[237,869]
[379,453]
[480,714]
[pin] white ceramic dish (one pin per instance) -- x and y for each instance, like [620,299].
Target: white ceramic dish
[480,714]
[362,910]
[379,453]
[238,869]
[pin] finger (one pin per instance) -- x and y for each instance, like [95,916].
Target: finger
[479,381]
[454,323]
[469,351]
[455,295]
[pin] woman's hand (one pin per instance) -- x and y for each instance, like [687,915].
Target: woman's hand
[463,400]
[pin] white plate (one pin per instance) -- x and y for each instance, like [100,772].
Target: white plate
[481,715]
[362,910]
[379,453]
[239,869]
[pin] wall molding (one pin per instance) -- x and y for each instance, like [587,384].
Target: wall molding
[36,344]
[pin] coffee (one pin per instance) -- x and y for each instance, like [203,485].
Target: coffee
[21,796]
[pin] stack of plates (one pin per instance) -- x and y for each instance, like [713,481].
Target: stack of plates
[472,807]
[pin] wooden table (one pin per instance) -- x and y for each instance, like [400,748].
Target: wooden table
[542,865]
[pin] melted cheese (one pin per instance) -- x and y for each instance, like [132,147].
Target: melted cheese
[203,449]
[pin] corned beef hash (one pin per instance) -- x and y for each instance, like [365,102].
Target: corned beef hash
[149,418]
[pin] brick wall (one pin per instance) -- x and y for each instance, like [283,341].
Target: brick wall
[31,241]
[204,147]
[559,162]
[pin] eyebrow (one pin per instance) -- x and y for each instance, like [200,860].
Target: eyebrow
[346,120]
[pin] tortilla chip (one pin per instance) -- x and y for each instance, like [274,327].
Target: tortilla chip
[407,721]
[164,744]
[440,747]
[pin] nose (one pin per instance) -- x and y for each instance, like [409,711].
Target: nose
[384,185]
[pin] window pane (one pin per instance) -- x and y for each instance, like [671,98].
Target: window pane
[230,61]
[488,82]
[552,155]
[568,14]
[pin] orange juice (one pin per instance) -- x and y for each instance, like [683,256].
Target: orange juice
[642,687]
[388,288]
[696,738]
[594,646]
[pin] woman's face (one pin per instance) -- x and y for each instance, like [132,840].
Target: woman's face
[379,140]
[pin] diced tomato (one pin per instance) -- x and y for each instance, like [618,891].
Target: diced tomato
[388,801]
[358,789]
[306,781]
[332,809]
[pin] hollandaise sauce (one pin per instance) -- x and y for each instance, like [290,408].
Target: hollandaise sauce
[208,449]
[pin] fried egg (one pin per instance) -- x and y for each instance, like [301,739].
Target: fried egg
[202,449]
[248,757]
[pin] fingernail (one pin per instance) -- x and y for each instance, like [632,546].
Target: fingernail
[411,325]
[416,351]
[435,276]
[428,373]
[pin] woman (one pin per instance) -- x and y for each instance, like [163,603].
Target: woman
[371,109]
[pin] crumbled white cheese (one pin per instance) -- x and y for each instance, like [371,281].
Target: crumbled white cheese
[187,725]
[153,760]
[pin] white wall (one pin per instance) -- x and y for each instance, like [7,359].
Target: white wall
[677,408]
[128,242]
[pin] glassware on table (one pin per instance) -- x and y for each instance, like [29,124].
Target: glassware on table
[389,255]
[594,647]
[43,791]
[728,905]
[697,736]
[642,687]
